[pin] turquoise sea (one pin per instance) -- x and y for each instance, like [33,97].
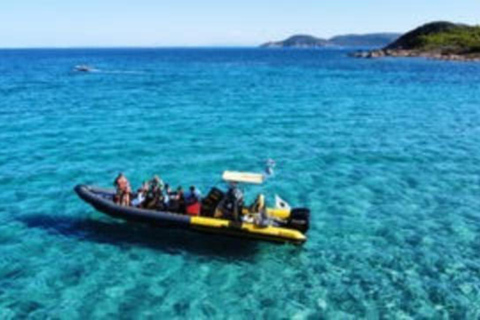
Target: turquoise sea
[386,153]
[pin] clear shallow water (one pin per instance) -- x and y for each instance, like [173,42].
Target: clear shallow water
[384,152]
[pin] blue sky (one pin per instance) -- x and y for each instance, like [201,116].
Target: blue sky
[63,23]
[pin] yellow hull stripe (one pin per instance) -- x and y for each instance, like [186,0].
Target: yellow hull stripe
[273,212]
[249,228]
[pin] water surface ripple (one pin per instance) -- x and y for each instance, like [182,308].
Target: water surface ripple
[384,152]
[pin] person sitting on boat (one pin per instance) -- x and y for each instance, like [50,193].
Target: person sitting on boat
[234,198]
[122,185]
[157,182]
[154,195]
[192,200]
[176,200]
[230,207]
[160,204]
[180,200]
[141,195]
[167,195]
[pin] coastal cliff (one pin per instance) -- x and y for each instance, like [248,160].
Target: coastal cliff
[436,40]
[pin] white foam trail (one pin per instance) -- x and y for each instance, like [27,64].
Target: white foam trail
[118,71]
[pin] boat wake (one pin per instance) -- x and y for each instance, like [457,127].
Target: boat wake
[119,71]
[90,69]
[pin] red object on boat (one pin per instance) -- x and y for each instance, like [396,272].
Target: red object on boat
[194,209]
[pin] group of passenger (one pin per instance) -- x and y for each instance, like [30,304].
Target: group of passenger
[154,194]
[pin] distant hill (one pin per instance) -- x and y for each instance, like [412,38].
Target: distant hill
[297,41]
[444,36]
[366,40]
[307,41]
[438,40]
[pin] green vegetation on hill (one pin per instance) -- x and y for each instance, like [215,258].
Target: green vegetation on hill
[466,39]
[440,36]
[298,41]
[373,39]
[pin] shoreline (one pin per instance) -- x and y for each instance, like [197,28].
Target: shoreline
[399,53]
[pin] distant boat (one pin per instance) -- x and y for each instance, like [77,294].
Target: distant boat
[83,68]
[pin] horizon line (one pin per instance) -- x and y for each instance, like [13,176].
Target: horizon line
[130,47]
[169,47]
[186,46]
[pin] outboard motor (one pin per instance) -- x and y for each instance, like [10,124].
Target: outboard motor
[299,219]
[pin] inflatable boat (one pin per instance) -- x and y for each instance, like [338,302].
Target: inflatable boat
[276,225]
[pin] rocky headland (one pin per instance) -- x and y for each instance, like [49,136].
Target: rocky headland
[436,40]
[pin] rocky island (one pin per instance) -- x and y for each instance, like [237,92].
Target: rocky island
[297,41]
[436,40]
[307,41]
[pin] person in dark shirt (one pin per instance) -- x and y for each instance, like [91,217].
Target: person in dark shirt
[177,201]
[235,199]
[154,197]
[192,200]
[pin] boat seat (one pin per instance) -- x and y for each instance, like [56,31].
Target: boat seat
[211,201]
